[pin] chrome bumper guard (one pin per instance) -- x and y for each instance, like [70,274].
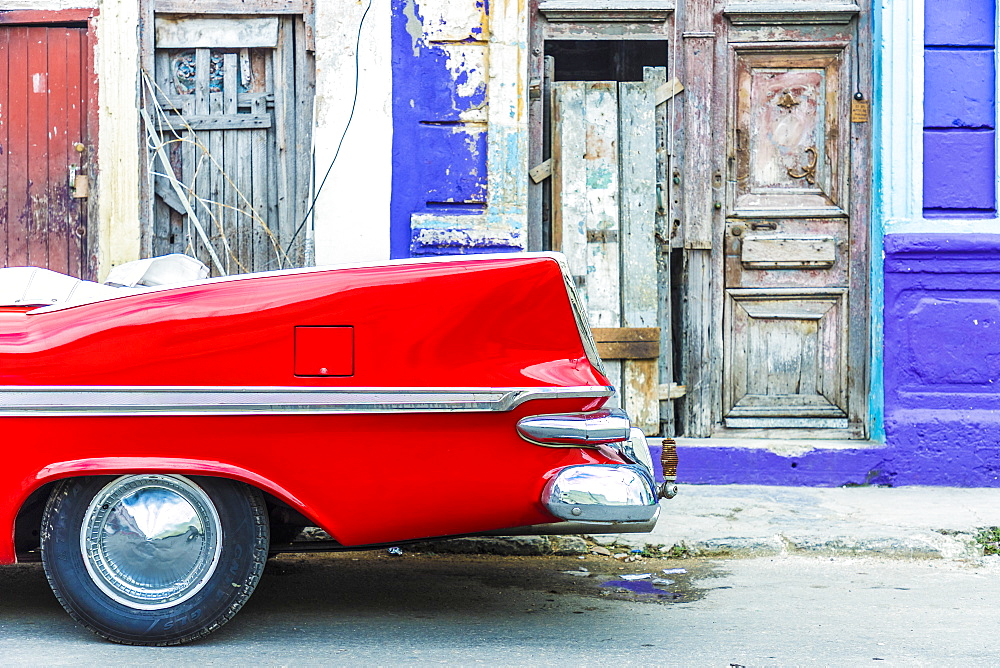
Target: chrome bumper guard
[610,493]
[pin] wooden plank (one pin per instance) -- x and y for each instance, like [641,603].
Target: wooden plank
[203,67]
[38,166]
[586,197]
[172,101]
[272,231]
[61,209]
[701,127]
[772,252]
[231,160]
[216,33]
[305,88]
[163,76]
[229,6]
[540,172]
[667,90]
[635,396]
[5,176]
[536,143]
[616,334]
[215,122]
[259,192]
[600,198]
[18,148]
[637,138]
[243,216]
[284,160]
[670,391]
[214,164]
[548,229]
[861,387]
[699,353]
[309,25]
[148,222]
[662,232]
[568,202]
[628,343]
[201,184]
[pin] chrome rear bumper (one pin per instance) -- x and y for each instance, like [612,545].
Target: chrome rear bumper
[612,493]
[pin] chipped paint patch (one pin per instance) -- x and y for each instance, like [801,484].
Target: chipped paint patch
[414,26]
[460,234]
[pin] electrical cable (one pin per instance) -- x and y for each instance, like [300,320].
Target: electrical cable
[354,104]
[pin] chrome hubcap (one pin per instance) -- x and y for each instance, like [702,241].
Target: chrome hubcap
[151,541]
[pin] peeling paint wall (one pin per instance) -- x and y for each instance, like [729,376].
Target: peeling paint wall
[449,192]
[352,212]
[117,68]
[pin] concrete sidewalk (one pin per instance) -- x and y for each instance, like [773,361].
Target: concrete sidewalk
[751,520]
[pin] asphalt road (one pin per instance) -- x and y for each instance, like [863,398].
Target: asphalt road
[381,610]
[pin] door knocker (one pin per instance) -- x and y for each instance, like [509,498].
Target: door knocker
[809,171]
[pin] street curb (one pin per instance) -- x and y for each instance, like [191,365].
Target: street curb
[917,545]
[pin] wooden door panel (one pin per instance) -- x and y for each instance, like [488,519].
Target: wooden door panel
[789,253]
[786,358]
[42,141]
[788,144]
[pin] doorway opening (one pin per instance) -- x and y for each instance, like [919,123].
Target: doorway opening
[605,60]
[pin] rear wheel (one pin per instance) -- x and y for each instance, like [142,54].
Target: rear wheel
[153,559]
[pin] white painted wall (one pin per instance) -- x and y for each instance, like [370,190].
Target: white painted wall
[352,212]
[899,175]
[117,68]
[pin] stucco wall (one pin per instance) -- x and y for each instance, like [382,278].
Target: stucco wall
[352,211]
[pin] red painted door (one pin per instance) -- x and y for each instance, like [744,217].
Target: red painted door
[43,144]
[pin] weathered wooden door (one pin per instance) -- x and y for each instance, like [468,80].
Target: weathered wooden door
[792,216]
[606,165]
[44,148]
[230,140]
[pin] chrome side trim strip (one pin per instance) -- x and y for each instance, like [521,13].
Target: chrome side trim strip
[29,400]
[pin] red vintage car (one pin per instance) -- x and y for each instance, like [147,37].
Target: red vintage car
[161,442]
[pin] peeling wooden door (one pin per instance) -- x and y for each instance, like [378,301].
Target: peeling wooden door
[44,148]
[794,227]
[604,149]
[231,147]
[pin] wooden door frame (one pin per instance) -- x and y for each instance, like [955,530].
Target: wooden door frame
[655,22]
[77,18]
[708,96]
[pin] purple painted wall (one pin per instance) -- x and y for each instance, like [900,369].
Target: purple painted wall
[959,109]
[942,359]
